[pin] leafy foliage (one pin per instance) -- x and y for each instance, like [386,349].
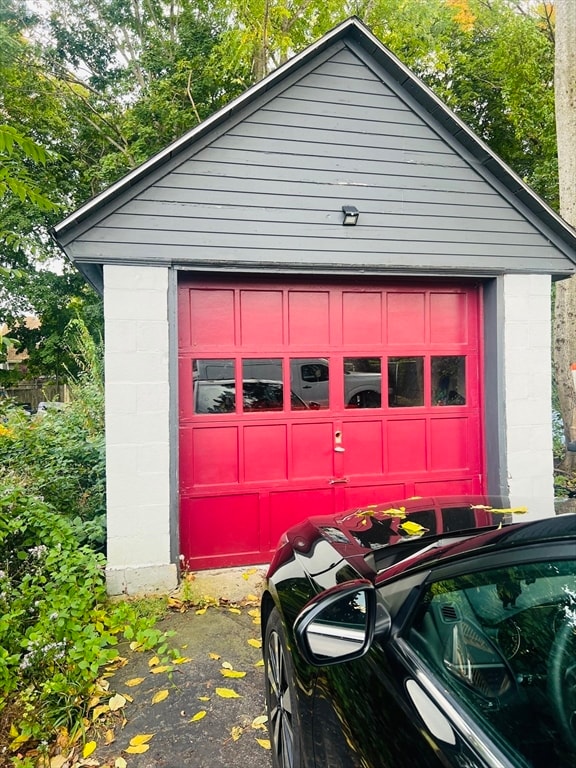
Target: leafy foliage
[60,455]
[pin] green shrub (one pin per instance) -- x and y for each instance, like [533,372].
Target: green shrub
[57,628]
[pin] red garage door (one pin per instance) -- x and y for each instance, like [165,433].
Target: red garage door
[299,400]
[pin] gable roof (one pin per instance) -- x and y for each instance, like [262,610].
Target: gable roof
[355,37]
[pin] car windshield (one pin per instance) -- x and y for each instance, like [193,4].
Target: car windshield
[503,642]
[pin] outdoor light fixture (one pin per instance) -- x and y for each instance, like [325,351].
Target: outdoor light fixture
[351,214]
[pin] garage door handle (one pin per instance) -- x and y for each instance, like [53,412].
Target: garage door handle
[338,480]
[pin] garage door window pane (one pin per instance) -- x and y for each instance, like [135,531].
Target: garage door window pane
[262,388]
[214,386]
[309,382]
[405,382]
[449,380]
[362,382]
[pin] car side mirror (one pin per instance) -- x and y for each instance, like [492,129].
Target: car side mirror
[337,625]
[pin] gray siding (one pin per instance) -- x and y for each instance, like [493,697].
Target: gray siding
[267,193]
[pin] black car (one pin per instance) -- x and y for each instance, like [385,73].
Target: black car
[424,633]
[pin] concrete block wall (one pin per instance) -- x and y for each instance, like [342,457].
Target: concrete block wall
[528,392]
[137,429]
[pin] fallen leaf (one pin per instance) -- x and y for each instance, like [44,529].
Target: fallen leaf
[156,670]
[255,643]
[120,763]
[227,665]
[246,575]
[254,612]
[256,621]
[259,663]
[89,747]
[182,660]
[154,661]
[141,738]
[236,732]
[116,702]
[101,710]
[227,693]
[232,673]
[264,743]
[198,716]
[234,610]
[259,722]
[203,698]
[110,736]
[134,681]
[128,697]
[214,656]
[58,761]
[160,696]
[201,611]
[138,750]
[135,646]
[174,602]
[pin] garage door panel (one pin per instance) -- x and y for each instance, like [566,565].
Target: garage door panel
[362,496]
[406,317]
[212,321]
[312,450]
[356,436]
[309,318]
[406,444]
[220,525]
[448,318]
[450,487]
[362,318]
[449,440]
[265,453]
[255,305]
[290,507]
[215,458]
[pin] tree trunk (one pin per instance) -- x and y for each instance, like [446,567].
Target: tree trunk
[565,305]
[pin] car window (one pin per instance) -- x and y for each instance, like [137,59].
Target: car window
[503,641]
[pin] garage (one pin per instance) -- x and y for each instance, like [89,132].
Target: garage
[351,395]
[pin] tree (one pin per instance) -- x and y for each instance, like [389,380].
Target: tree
[565,303]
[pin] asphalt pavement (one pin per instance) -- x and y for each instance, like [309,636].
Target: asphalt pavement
[201,712]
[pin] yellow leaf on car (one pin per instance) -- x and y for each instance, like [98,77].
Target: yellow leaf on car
[264,743]
[154,661]
[232,673]
[141,738]
[227,693]
[116,702]
[89,747]
[236,732]
[412,529]
[156,670]
[198,716]
[140,749]
[255,643]
[160,696]
[134,681]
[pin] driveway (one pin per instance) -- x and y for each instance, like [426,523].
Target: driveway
[200,713]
